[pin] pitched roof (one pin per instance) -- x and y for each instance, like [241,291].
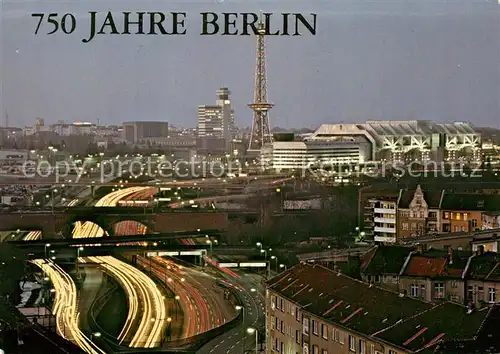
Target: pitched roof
[432,198]
[485,267]
[384,260]
[472,202]
[437,263]
[373,311]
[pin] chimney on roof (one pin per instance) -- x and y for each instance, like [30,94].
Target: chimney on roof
[450,254]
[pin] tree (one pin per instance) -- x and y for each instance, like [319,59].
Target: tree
[12,263]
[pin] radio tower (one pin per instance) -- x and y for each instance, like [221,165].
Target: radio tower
[261,132]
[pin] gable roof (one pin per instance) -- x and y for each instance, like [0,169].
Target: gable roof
[432,198]
[384,260]
[485,267]
[436,263]
[374,311]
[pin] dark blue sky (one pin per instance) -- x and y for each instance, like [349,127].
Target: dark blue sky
[388,60]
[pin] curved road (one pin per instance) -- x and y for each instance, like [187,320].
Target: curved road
[237,340]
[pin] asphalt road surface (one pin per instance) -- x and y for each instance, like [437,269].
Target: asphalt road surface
[237,340]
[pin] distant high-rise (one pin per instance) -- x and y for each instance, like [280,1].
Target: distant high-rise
[135,132]
[217,121]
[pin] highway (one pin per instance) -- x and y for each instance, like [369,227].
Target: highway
[147,316]
[202,301]
[252,293]
[65,307]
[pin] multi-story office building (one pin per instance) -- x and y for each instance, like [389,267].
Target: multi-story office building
[217,121]
[312,309]
[136,132]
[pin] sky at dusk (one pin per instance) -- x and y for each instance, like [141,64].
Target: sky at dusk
[386,60]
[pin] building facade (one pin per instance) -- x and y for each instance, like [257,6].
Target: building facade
[395,142]
[217,121]
[137,132]
[312,309]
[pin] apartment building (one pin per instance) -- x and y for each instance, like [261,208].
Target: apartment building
[383,219]
[313,309]
[419,213]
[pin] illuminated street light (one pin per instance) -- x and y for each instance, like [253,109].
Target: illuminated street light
[251,330]
[242,309]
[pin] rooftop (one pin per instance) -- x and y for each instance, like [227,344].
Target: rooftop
[471,202]
[485,267]
[357,306]
[432,198]
[437,263]
[384,260]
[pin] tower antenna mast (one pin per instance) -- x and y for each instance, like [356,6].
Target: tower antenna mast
[261,132]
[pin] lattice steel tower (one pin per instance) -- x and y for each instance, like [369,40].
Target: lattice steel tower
[261,132]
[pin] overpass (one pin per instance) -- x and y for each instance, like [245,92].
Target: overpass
[57,224]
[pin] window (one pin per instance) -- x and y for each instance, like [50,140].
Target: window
[492,296]
[352,344]
[362,349]
[422,290]
[446,215]
[273,323]
[297,315]
[292,310]
[458,216]
[480,293]
[315,327]
[282,305]
[282,347]
[335,335]
[405,226]
[315,349]
[297,336]
[474,223]
[392,352]
[454,284]
[273,301]
[324,351]
[466,216]
[470,293]
[413,226]
[324,331]
[341,337]
[414,290]
[394,279]
[305,326]
[439,290]
[282,326]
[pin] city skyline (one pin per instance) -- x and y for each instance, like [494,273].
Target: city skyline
[368,61]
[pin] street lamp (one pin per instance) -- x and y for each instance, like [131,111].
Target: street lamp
[47,245]
[95,335]
[283,266]
[265,253]
[251,330]
[259,245]
[242,309]
[276,260]
[78,261]
[209,242]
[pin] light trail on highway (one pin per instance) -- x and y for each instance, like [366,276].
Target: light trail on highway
[203,310]
[65,306]
[143,295]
